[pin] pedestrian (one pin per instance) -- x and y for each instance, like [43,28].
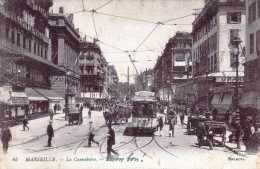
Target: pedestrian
[111,141]
[182,119]
[238,134]
[227,117]
[51,114]
[209,136]
[91,134]
[50,133]
[89,114]
[161,125]
[55,108]
[6,136]
[171,125]
[25,122]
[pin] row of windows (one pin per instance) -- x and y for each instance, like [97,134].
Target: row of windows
[252,11]
[19,38]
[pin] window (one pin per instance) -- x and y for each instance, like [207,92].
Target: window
[251,43]
[258,42]
[180,57]
[234,17]
[24,42]
[30,46]
[18,39]
[12,36]
[34,48]
[258,6]
[7,31]
[252,13]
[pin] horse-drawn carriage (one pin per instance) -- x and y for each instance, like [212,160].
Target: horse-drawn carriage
[117,115]
[74,116]
[192,123]
[211,129]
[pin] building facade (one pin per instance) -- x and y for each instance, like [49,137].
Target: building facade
[250,101]
[173,67]
[26,67]
[213,61]
[145,81]
[93,68]
[112,82]
[65,50]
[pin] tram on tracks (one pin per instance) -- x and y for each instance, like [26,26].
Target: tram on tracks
[144,114]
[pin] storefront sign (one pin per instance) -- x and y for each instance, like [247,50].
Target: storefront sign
[229,79]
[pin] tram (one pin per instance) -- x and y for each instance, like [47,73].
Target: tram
[144,114]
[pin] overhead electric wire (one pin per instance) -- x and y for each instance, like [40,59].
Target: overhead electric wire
[94,24]
[147,37]
[83,5]
[123,17]
[103,5]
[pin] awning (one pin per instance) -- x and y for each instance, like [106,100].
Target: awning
[19,98]
[33,95]
[49,94]
[226,101]
[250,99]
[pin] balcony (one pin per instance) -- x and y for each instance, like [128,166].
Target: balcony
[22,23]
[40,10]
[28,82]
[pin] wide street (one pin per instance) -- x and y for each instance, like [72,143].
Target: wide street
[69,145]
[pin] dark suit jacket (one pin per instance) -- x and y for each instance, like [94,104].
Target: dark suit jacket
[50,130]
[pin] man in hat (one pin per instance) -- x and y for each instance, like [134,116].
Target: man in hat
[50,133]
[25,122]
[6,136]
[111,141]
[91,134]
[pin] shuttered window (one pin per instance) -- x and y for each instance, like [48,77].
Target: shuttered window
[251,43]
[258,42]
[252,13]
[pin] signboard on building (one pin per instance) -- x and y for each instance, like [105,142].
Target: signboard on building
[229,79]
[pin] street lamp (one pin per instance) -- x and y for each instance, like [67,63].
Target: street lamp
[234,46]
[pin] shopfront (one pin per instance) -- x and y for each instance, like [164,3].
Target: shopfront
[53,98]
[37,103]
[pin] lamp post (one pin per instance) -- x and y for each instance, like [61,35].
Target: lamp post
[234,46]
[66,93]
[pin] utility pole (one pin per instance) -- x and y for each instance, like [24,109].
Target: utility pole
[128,83]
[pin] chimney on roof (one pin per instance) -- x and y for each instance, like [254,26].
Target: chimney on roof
[61,10]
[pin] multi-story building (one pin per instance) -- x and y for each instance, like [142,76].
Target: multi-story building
[112,82]
[26,65]
[181,45]
[93,76]
[65,50]
[174,66]
[213,61]
[145,80]
[251,92]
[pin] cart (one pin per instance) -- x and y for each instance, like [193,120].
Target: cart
[216,129]
[193,123]
[75,118]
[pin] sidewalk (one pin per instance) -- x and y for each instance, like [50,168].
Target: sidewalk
[38,128]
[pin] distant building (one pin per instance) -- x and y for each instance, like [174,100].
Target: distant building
[112,82]
[95,72]
[145,80]
[173,67]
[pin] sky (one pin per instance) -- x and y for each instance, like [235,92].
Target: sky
[128,35]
